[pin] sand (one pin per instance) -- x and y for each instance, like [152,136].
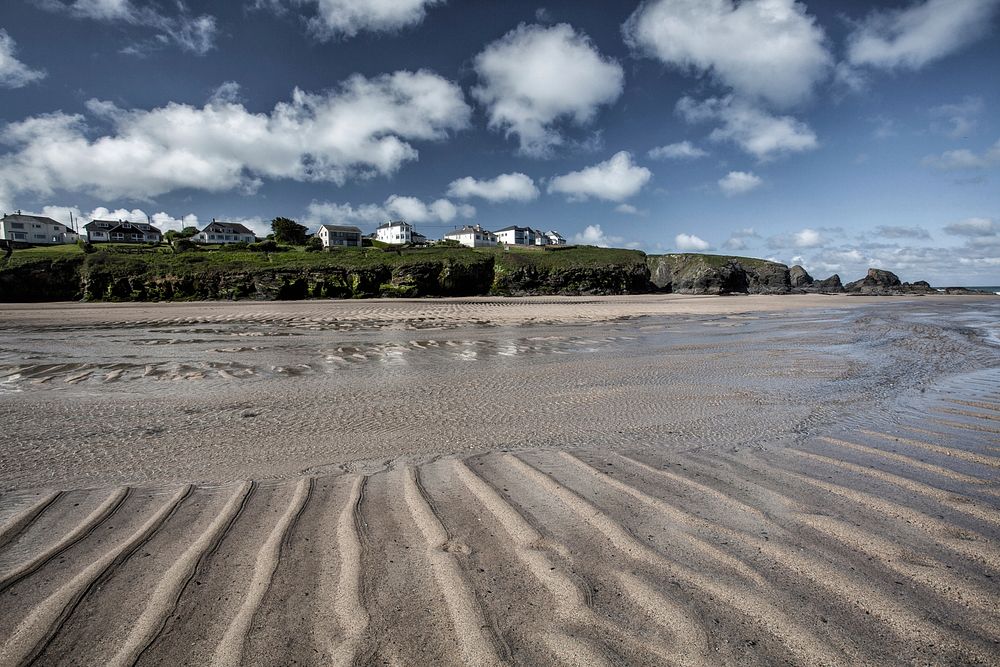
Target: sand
[631,480]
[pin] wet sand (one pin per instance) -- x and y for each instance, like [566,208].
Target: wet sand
[635,480]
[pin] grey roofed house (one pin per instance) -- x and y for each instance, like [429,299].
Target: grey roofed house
[223,233]
[35,229]
[339,235]
[121,231]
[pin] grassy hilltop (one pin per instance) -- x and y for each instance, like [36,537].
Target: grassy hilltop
[140,273]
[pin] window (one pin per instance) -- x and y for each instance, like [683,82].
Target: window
[40,236]
[20,236]
[17,225]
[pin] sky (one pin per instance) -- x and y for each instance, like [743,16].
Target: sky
[838,135]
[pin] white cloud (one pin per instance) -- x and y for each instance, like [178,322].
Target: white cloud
[974,228]
[360,130]
[739,182]
[959,119]
[411,209]
[690,242]
[683,150]
[901,232]
[14,73]
[757,132]
[615,179]
[925,31]
[807,238]
[963,158]
[162,220]
[505,187]
[415,210]
[535,76]
[627,209]
[767,49]
[594,235]
[334,19]
[191,33]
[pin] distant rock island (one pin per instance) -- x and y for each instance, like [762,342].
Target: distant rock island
[165,274]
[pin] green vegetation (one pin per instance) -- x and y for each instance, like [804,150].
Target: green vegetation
[288,231]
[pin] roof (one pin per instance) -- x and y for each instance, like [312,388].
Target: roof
[394,223]
[468,229]
[338,228]
[115,224]
[513,228]
[229,227]
[21,217]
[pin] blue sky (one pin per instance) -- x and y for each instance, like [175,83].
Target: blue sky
[838,135]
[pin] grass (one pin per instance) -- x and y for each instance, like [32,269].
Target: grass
[717,261]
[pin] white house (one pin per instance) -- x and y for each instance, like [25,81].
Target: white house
[555,238]
[223,233]
[119,231]
[35,229]
[473,236]
[516,236]
[540,237]
[339,235]
[396,233]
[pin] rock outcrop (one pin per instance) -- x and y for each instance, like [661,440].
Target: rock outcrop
[799,277]
[831,284]
[716,274]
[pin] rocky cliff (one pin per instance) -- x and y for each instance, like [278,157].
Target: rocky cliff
[716,274]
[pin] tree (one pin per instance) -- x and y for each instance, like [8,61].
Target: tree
[185,233]
[288,231]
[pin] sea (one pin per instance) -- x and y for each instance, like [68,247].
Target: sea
[991,289]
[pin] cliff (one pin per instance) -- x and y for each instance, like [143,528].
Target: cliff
[690,273]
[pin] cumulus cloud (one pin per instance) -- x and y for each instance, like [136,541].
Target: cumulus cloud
[759,133]
[411,209]
[739,182]
[963,158]
[974,228]
[162,220]
[360,130]
[333,19]
[594,235]
[627,209]
[190,33]
[14,73]
[690,242]
[683,150]
[911,37]
[536,76]
[767,49]
[505,187]
[615,179]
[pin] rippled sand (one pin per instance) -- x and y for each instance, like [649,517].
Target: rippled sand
[638,480]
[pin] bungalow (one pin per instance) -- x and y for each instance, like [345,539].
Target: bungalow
[473,236]
[516,236]
[35,229]
[339,235]
[119,231]
[396,233]
[224,233]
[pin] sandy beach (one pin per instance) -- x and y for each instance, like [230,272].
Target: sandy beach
[643,480]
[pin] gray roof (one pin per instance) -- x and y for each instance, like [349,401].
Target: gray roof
[229,227]
[514,228]
[338,228]
[112,225]
[467,230]
[21,217]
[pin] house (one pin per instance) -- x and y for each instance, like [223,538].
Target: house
[396,233]
[555,238]
[516,236]
[35,229]
[334,236]
[224,233]
[473,236]
[540,237]
[120,231]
